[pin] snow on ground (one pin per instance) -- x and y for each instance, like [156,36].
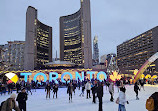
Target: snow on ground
[38,101]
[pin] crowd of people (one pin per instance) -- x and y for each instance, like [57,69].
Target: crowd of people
[94,89]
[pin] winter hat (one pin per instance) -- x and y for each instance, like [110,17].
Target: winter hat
[13,96]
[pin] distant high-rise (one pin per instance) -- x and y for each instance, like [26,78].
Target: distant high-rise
[95,51]
[75,37]
[38,46]
[13,54]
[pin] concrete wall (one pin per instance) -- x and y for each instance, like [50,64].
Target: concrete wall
[31,15]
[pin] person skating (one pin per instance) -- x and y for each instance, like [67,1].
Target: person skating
[69,91]
[9,88]
[3,88]
[34,85]
[118,84]
[136,88]
[142,84]
[88,88]
[79,85]
[28,87]
[121,100]
[0,88]
[74,87]
[47,90]
[10,104]
[100,95]
[94,88]
[22,98]
[83,88]
[111,91]
[55,90]
[18,87]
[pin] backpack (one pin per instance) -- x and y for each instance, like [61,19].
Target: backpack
[150,104]
[1,105]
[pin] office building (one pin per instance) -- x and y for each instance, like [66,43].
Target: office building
[133,53]
[75,37]
[13,55]
[38,45]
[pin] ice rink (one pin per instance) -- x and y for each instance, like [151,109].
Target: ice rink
[38,101]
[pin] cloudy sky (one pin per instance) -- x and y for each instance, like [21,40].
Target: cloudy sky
[114,21]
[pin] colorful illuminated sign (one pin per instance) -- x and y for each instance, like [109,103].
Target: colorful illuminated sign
[12,77]
[115,76]
[54,76]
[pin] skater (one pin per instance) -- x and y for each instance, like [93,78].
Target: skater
[83,88]
[0,88]
[18,87]
[47,89]
[28,87]
[74,87]
[142,84]
[88,88]
[3,88]
[94,88]
[107,84]
[9,88]
[34,85]
[69,91]
[121,100]
[79,85]
[55,90]
[10,104]
[118,84]
[111,91]
[136,88]
[22,98]
[100,95]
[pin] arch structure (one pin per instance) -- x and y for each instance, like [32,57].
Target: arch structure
[145,66]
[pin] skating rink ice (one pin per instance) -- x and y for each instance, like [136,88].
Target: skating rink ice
[38,101]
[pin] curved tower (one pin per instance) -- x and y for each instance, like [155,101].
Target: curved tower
[75,37]
[38,42]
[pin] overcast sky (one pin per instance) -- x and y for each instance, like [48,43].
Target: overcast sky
[114,21]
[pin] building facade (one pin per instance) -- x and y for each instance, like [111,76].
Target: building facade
[38,46]
[13,54]
[95,51]
[75,37]
[133,53]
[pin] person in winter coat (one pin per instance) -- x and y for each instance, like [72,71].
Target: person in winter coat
[74,87]
[69,91]
[9,88]
[22,98]
[28,87]
[55,90]
[18,87]
[118,84]
[136,88]
[10,104]
[122,99]
[3,88]
[100,95]
[94,88]
[88,88]
[83,88]
[47,89]
[111,91]
[142,84]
